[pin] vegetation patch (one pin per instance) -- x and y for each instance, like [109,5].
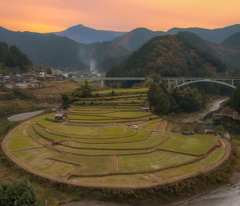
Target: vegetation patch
[187,144]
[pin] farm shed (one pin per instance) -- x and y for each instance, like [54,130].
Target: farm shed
[60,116]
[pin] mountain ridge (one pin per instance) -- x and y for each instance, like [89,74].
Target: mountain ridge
[169,55]
[60,52]
[87,35]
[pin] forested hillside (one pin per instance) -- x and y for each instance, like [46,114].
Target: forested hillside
[12,60]
[228,51]
[169,55]
[136,38]
[234,100]
[177,100]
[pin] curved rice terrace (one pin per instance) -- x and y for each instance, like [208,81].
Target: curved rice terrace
[97,146]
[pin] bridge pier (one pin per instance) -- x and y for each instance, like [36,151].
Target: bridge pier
[169,84]
[102,84]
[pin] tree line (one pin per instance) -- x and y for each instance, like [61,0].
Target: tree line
[234,100]
[69,97]
[12,60]
[177,100]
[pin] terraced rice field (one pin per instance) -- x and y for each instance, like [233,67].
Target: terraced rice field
[98,146]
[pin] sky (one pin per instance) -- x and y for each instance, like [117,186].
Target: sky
[118,15]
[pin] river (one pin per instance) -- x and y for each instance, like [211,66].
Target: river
[211,107]
[223,196]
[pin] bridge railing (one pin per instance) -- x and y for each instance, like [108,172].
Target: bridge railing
[181,81]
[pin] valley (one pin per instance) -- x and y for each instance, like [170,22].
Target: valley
[134,142]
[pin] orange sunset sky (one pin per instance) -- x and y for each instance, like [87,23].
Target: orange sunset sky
[118,15]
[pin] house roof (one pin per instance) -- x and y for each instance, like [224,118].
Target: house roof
[59,115]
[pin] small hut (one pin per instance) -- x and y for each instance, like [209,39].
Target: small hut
[60,116]
[145,109]
[55,142]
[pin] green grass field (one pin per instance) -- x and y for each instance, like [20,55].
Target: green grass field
[188,144]
[98,145]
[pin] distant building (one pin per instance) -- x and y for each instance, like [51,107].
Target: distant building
[9,86]
[60,116]
[7,78]
[42,73]
[22,85]
[145,109]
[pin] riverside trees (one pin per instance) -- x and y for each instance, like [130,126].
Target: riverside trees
[176,100]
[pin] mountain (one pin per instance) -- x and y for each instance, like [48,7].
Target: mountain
[60,52]
[49,49]
[136,38]
[213,35]
[169,55]
[195,40]
[232,45]
[232,42]
[228,51]
[88,35]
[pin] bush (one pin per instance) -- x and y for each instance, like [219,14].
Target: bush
[6,125]
[18,193]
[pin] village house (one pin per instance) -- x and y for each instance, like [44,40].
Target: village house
[6,78]
[42,73]
[9,86]
[60,116]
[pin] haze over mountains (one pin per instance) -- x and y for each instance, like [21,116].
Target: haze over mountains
[60,52]
[88,35]
[77,46]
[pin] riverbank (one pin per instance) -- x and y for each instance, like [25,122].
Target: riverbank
[196,117]
[226,195]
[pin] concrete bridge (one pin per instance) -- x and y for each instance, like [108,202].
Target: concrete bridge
[112,78]
[182,81]
[172,81]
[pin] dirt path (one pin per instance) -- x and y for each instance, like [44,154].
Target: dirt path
[114,164]
[162,126]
